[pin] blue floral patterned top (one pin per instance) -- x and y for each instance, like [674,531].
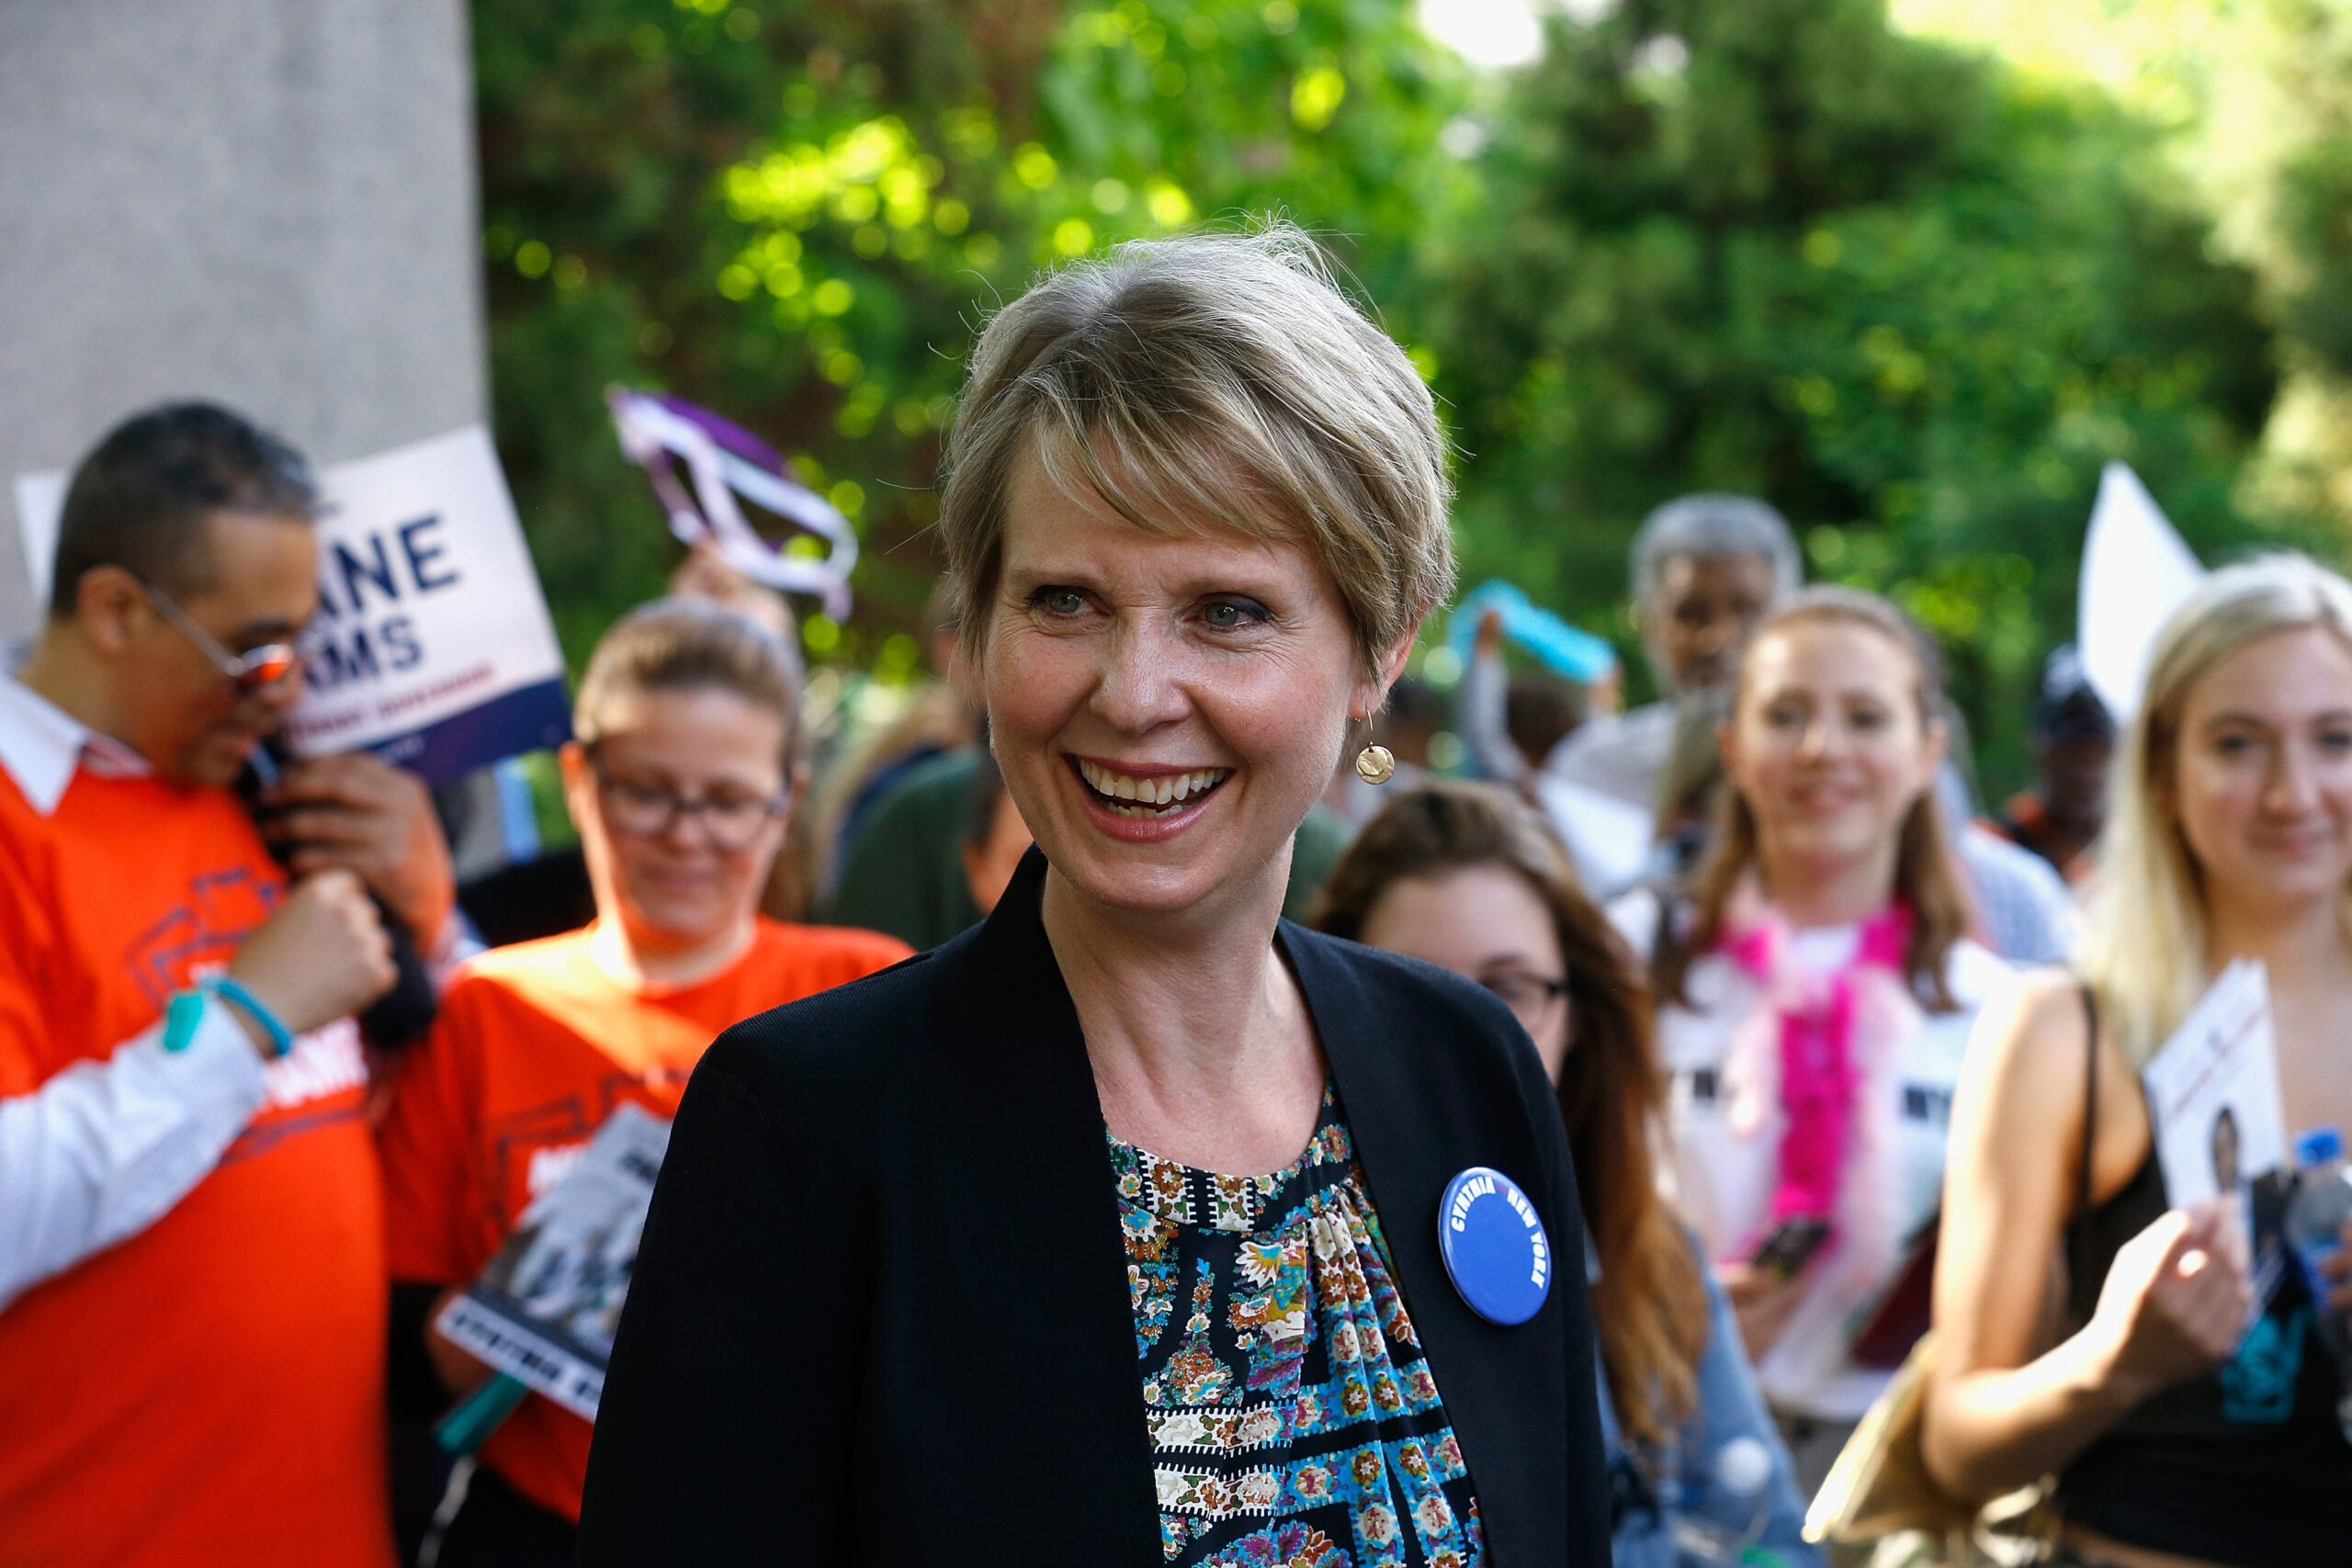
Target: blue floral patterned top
[1294,1422]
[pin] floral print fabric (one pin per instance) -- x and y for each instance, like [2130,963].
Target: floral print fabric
[1294,1419]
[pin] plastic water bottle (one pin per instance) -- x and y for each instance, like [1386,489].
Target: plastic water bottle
[1743,1468]
[2315,1226]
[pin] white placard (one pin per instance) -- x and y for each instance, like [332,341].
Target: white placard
[432,646]
[545,1309]
[2213,1094]
[2136,572]
[40,499]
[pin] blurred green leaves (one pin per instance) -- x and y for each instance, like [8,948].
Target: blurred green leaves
[1913,297]
[800,216]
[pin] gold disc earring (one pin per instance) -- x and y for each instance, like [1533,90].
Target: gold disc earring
[1376,764]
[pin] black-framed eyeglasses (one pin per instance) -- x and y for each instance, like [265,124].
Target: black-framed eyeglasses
[640,808]
[1526,995]
[255,671]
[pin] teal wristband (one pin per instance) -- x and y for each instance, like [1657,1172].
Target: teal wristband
[181,1017]
[281,1039]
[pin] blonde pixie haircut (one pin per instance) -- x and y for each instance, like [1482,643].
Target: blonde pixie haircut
[679,645]
[1210,381]
[2143,948]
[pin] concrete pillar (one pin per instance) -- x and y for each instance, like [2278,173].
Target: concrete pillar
[267,202]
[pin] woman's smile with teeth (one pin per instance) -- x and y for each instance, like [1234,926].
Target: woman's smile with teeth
[1127,795]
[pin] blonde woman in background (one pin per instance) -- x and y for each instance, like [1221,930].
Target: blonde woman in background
[2180,1435]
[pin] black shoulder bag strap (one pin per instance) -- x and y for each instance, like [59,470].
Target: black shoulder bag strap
[2079,1240]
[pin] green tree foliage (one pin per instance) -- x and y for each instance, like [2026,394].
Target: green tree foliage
[1768,246]
[800,215]
[2314,201]
[607,127]
[1772,246]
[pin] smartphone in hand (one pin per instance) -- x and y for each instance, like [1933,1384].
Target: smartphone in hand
[1790,1246]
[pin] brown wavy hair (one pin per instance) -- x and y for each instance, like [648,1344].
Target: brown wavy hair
[1650,1304]
[1924,875]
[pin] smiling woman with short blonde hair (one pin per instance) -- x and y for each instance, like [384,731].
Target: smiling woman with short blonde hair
[1217,379]
[1109,1232]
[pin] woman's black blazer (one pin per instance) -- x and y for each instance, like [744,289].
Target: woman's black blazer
[881,1312]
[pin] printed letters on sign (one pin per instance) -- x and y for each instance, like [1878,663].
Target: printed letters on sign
[432,646]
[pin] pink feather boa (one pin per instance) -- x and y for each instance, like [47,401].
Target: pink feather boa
[1815,1065]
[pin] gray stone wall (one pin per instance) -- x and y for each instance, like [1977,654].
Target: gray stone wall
[267,202]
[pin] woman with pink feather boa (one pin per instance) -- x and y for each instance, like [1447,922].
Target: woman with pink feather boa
[1816,985]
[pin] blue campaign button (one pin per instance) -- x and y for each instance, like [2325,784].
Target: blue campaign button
[1495,1249]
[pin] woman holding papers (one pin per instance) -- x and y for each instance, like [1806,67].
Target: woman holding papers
[2190,1416]
[1133,1226]
[679,779]
[1817,987]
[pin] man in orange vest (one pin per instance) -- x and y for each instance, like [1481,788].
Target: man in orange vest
[192,1277]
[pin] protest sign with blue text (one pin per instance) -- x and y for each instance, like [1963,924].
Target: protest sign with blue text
[432,646]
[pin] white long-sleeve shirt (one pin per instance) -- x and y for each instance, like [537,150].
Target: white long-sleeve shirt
[1481,705]
[1608,839]
[105,1148]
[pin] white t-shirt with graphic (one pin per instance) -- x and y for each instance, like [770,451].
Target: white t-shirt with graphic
[1724,1179]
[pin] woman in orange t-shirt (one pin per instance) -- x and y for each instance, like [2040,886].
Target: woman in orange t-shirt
[680,782]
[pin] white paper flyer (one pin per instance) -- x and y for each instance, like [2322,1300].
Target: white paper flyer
[2213,1093]
[544,1310]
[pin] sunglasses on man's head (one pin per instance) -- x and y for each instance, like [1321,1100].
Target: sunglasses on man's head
[256,670]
